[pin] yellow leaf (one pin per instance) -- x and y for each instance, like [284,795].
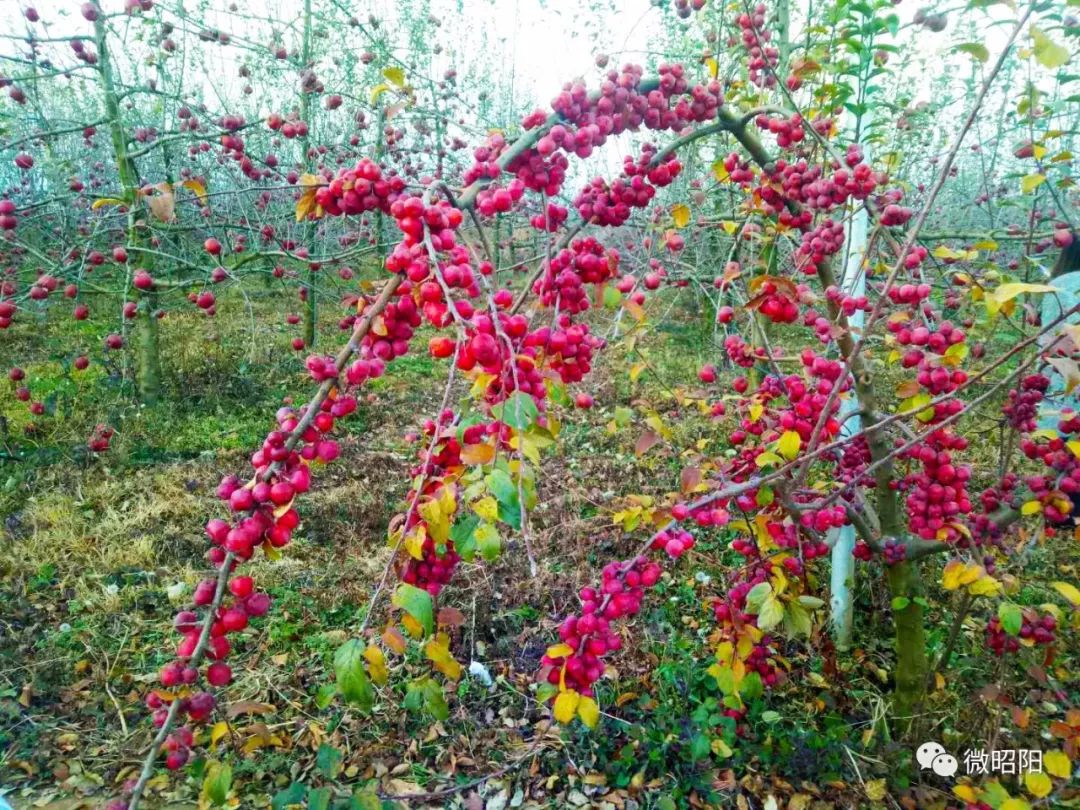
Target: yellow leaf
[305,206]
[101,202]
[789,444]
[680,215]
[729,226]
[588,711]
[958,573]
[447,501]
[438,652]
[636,371]
[756,410]
[1031,508]
[197,188]
[412,626]
[946,252]
[220,729]
[394,75]
[559,651]
[1030,182]
[1047,52]
[487,508]
[377,91]
[1074,447]
[985,585]
[720,172]
[1014,804]
[1006,292]
[656,423]
[876,790]
[1070,592]
[1038,784]
[376,664]
[1057,764]
[438,522]
[414,542]
[713,66]
[565,708]
[955,355]
[766,458]
[985,244]
[480,385]
[480,453]
[966,793]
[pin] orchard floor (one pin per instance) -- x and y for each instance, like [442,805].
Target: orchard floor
[98,554]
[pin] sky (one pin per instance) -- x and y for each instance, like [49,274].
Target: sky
[540,44]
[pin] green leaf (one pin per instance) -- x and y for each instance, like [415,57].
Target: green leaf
[463,535]
[771,717]
[324,696]
[612,297]
[366,799]
[488,541]
[751,686]
[900,602]
[518,411]
[725,678]
[319,798]
[797,620]
[293,794]
[765,496]
[1048,53]
[976,49]
[558,393]
[757,596]
[700,747]
[215,789]
[1012,618]
[771,613]
[417,603]
[328,761]
[352,678]
[435,700]
[502,486]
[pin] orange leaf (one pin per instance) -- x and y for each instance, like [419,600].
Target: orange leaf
[393,639]
[784,285]
[480,453]
[306,206]
[690,478]
[248,707]
[450,617]
[646,442]
[163,205]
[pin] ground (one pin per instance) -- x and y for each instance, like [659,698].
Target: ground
[100,552]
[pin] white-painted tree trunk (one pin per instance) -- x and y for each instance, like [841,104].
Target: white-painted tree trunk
[843,539]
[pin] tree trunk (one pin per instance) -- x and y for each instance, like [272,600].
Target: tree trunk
[912,666]
[149,354]
[147,349]
[311,313]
